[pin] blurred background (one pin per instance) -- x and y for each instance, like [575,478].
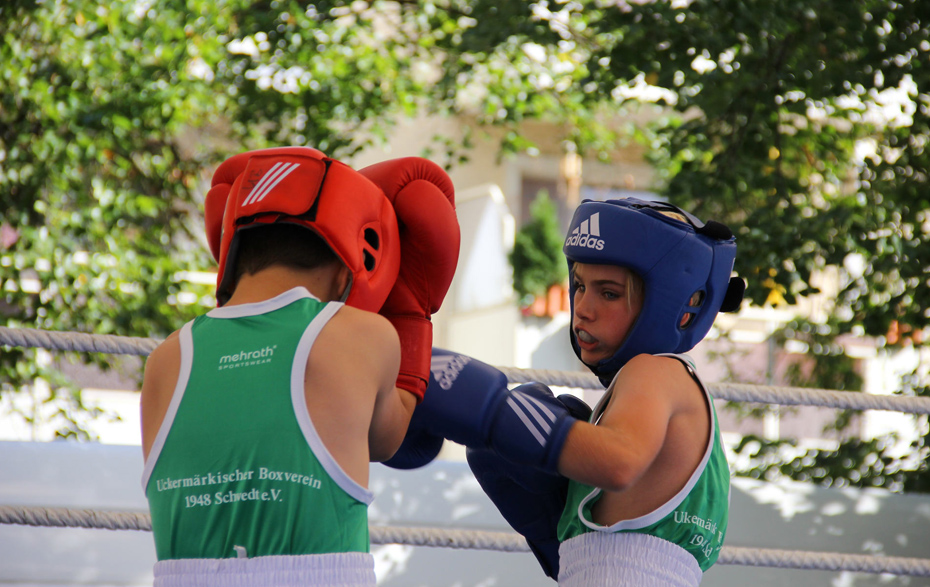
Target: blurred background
[802,124]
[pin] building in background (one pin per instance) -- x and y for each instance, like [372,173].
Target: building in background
[481,316]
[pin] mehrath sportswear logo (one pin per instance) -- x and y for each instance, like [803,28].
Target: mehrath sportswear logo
[247,358]
[585,234]
[273,177]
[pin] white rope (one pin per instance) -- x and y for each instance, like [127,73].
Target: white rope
[76,341]
[824,561]
[71,518]
[440,537]
[763,394]
[742,392]
[498,541]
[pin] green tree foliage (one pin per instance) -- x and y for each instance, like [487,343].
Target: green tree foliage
[803,124]
[875,462]
[536,258]
[95,185]
[112,116]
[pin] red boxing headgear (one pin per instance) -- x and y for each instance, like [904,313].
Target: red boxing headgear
[302,186]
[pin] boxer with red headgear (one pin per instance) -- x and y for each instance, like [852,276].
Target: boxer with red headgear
[258,426]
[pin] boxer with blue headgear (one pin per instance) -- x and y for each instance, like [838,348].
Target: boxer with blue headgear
[637,492]
[683,263]
[642,492]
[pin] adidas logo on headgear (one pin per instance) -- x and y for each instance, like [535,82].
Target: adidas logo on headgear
[269,180]
[585,234]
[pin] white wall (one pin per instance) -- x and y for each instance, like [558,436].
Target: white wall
[883,375]
[479,314]
[441,495]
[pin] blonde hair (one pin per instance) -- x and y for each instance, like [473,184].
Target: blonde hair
[674,215]
[634,286]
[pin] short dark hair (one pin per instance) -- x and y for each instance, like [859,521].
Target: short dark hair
[290,245]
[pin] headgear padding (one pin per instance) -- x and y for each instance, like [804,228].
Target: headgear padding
[680,262]
[300,185]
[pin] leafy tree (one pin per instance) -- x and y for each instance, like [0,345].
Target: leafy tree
[803,124]
[95,182]
[536,258]
[112,116]
[806,134]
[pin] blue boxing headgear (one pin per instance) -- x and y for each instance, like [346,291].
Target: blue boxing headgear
[685,267]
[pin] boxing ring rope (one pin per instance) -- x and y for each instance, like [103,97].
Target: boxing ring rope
[482,540]
[739,392]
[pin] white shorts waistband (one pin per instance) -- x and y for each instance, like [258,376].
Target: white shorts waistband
[625,559]
[344,569]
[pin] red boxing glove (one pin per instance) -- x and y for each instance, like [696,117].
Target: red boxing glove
[424,201]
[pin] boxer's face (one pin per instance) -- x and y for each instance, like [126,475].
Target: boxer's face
[607,300]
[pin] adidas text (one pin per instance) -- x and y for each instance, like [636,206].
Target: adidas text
[585,240]
[586,233]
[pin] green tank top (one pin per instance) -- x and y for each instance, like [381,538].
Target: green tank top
[237,468]
[695,519]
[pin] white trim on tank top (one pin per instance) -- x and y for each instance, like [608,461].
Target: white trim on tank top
[669,506]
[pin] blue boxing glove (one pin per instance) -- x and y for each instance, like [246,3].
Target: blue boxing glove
[468,402]
[420,446]
[529,499]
